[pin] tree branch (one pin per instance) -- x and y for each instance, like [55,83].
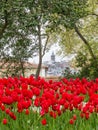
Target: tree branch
[85,42]
[45,46]
[94,14]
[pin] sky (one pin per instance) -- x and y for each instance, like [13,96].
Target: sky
[53,49]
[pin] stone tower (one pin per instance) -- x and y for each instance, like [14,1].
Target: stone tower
[53,57]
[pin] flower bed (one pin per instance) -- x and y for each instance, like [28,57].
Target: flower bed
[33,104]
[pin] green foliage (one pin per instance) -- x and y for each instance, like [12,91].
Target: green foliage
[88,66]
[69,74]
[87,24]
[69,11]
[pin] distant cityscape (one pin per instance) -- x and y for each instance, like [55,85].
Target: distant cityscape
[56,68]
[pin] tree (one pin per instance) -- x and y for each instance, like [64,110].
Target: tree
[23,25]
[72,18]
[39,15]
[83,38]
[15,42]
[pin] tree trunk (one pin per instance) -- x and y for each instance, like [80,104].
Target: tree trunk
[22,68]
[40,52]
[85,42]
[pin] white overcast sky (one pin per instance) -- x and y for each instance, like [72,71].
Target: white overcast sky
[47,57]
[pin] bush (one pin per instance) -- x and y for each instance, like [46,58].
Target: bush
[69,74]
[88,66]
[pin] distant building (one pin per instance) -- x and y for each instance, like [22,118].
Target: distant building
[29,69]
[56,68]
[53,57]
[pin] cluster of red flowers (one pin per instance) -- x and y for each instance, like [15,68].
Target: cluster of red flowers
[50,96]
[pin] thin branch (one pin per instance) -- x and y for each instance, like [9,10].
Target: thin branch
[94,14]
[45,46]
